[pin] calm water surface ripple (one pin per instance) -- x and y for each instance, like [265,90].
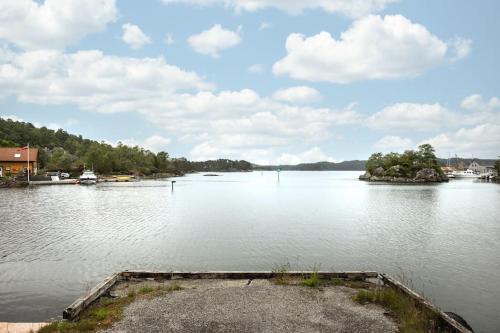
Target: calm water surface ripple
[58,241]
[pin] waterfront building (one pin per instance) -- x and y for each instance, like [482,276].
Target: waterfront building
[478,168]
[14,160]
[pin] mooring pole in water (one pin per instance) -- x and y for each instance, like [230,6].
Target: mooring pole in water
[278,171]
[173,181]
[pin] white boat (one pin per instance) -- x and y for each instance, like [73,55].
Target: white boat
[88,178]
[466,174]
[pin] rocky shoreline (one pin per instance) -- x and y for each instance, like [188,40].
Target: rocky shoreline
[12,183]
[393,175]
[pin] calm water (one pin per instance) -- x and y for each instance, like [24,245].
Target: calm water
[56,242]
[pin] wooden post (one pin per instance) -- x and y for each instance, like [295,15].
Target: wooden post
[173,181]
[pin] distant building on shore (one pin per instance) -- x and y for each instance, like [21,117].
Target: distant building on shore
[14,160]
[478,168]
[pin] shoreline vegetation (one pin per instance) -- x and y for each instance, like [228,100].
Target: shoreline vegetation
[413,166]
[61,151]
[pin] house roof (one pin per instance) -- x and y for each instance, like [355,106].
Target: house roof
[17,154]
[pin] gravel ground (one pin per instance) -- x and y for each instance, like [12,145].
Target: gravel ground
[235,306]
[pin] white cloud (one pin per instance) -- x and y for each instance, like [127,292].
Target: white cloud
[301,94]
[155,143]
[374,47]
[310,156]
[265,26]
[11,117]
[391,141]
[92,80]
[169,39]
[461,47]
[246,113]
[256,68]
[259,155]
[213,40]
[413,116]
[235,124]
[133,36]
[33,24]
[481,141]
[477,103]
[352,8]
[54,126]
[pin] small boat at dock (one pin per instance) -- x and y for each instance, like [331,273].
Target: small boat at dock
[88,178]
[466,174]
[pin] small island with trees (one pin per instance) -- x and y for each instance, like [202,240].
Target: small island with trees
[412,166]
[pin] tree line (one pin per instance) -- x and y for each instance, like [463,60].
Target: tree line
[62,151]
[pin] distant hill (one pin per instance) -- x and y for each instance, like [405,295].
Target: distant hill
[355,165]
[360,165]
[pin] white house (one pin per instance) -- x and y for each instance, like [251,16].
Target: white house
[476,167]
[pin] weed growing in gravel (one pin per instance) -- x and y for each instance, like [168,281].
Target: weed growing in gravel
[313,279]
[281,274]
[145,290]
[106,311]
[410,317]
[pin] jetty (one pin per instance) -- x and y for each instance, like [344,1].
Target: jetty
[278,301]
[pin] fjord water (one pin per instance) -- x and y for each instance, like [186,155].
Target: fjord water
[58,241]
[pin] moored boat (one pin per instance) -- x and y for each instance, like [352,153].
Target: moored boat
[466,174]
[88,178]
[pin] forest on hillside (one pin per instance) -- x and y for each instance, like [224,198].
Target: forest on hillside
[62,151]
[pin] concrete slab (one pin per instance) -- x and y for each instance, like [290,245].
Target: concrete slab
[261,306]
[20,327]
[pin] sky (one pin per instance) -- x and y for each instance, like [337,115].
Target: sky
[268,81]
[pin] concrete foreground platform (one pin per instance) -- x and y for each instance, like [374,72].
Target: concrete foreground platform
[20,327]
[248,306]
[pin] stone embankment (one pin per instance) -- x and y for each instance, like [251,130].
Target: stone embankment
[395,175]
[12,182]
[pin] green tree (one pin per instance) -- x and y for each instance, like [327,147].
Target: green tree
[376,160]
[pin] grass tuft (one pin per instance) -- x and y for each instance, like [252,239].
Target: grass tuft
[410,317]
[106,311]
[313,279]
[281,274]
[145,290]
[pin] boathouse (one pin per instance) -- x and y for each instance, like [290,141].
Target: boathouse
[14,161]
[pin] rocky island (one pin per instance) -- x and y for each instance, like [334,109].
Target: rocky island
[413,166]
